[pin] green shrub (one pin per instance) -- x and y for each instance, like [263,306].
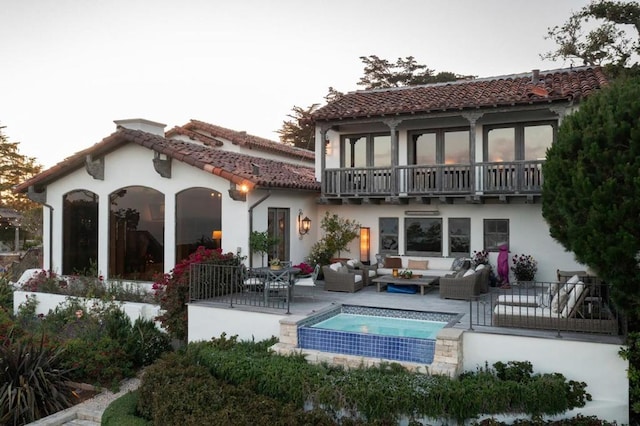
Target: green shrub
[122,412]
[33,382]
[147,343]
[6,293]
[103,361]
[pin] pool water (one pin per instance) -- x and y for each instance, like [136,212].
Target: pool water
[381,333]
[385,326]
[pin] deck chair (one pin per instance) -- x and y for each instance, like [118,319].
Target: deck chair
[308,284]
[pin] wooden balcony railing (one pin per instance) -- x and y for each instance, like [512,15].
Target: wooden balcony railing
[515,177]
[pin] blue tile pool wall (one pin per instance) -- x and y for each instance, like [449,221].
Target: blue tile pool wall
[371,345]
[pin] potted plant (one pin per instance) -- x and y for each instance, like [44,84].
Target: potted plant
[275,264]
[262,243]
[524,267]
[339,232]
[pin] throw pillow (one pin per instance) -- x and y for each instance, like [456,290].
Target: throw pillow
[480,267]
[469,272]
[457,264]
[393,262]
[559,300]
[335,266]
[574,295]
[418,264]
[343,269]
[461,273]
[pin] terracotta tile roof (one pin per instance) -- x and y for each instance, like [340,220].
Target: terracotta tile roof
[211,134]
[238,168]
[521,89]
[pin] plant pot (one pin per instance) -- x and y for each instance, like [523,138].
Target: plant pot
[275,267]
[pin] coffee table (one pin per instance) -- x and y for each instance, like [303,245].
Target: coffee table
[425,282]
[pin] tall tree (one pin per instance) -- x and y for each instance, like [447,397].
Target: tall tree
[615,42]
[15,168]
[591,192]
[380,73]
[299,131]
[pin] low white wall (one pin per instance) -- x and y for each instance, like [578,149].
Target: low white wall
[596,364]
[206,323]
[48,301]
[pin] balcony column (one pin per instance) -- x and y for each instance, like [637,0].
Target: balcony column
[472,118]
[323,156]
[393,125]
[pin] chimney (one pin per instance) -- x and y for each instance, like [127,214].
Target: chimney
[536,77]
[143,125]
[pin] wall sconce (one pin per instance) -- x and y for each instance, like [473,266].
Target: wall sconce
[238,193]
[304,225]
[365,245]
[217,237]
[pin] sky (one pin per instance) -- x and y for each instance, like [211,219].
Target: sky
[69,68]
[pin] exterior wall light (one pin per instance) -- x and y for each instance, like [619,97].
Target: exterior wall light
[365,245]
[304,225]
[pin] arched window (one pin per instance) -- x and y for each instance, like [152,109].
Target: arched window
[79,232]
[136,233]
[198,221]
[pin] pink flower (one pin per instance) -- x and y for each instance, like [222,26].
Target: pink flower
[79,313]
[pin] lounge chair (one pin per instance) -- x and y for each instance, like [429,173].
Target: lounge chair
[465,288]
[562,312]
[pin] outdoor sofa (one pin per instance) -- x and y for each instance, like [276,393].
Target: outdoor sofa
[419,265]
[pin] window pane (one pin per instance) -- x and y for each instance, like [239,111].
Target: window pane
[382,151]
[423,236]
[501,144]
[136,233]
[80,232]
[456,147]
[496,232]
[198,214]
[425,148]
[536,141]
[389,235]
[460,236]
[278,226]
[355,151]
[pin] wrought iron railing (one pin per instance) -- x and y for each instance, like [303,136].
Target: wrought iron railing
[233,285]
[541,306]
[513,177]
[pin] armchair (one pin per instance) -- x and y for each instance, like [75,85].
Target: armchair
[341,281]
[463,288]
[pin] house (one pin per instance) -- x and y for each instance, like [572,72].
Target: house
[446,169]
[140,200]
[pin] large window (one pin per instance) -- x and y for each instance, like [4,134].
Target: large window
[80,232]
[136,233]
[459,236]
[388,235]
[496,232]
[278,227]
[450,146]
[198,221]
[366,150]
[518,142]
[423,236]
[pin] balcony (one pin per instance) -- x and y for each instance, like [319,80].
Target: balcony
[495,179]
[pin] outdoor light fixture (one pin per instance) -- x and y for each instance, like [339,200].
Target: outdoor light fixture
[217,237]
[365,245]
[304,225]
[238,192]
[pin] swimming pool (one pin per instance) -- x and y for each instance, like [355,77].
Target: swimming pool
[375,334]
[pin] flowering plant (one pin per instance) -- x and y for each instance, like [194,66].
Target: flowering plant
[524,267]
[305,268]
[172,289]
[274,262]
[480,257]
[407,273]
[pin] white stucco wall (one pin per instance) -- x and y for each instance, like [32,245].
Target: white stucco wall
[596,364]
[528,232]
[206,322]
[133,165]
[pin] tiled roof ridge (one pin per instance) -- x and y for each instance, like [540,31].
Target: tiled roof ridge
[243,138]
[193,135]
[525,74]
[235,167]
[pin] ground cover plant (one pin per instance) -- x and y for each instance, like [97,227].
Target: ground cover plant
[224,377]
[91,342]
